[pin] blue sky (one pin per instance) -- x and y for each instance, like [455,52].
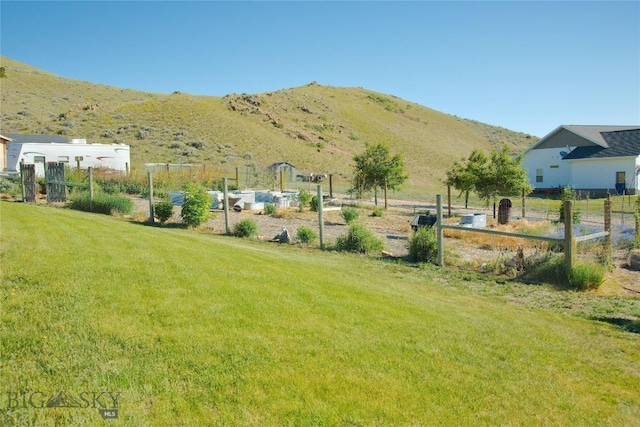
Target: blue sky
[527,66]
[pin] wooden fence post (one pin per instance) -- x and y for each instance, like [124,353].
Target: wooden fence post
[225,195]
[569,240]
[523,210]
[90,170]
[449,200]
[281,181]
[320,220]
[439,233]
[331,186]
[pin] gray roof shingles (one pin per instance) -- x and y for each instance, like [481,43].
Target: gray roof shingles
[622,143]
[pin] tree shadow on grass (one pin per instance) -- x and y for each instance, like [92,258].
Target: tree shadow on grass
[625,324]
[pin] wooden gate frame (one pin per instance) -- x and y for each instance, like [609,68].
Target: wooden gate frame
[28,182]
[66,183]
[569,241]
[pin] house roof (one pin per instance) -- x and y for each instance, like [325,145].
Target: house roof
[24,138]
[4,138]
[592,141]
[620,143]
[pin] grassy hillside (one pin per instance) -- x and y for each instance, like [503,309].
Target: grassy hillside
[317,128]
[194,329]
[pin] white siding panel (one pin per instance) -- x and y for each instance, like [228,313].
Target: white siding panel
[544,159]
[601,173]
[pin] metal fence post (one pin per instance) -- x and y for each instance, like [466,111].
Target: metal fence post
[320,220]
[439,233]
[150,181]
[607,228]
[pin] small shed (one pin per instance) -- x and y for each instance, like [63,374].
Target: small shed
[288,170]
[4,140]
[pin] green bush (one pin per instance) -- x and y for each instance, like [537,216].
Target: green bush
[552,270]
[196,205]
[163,210]
[423,246]
[379,213]
[306,235]
[349,214]
[568,194]
[102,203]
[245,228]
[586,276]
[269,209]
[303,199]
[359,239]
[313,205]
[10,187]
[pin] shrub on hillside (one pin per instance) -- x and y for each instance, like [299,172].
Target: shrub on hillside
[269,209]
[423,246]
[246,228]
[313,205]
[306,235]
[102,203]
[163,210]
[196,205]
[349,214]
[303,199]
[378,213]
[359,239]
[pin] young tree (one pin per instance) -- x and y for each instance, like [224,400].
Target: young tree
[465,172]
[503,177]
[489,177]
[195,207]
[375,168]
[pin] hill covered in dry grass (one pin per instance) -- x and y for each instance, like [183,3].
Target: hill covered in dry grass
[317,128]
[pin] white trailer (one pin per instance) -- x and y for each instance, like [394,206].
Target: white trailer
[75,153]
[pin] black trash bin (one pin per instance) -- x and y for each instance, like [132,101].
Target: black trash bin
[504,211]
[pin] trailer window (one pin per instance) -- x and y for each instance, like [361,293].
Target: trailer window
[38,159]
[63,159]
[539,175]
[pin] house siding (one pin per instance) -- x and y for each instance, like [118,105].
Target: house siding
[544,159]
[600,174]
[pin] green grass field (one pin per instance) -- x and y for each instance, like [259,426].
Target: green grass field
[195,329]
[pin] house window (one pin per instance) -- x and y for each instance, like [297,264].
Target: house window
[63,159]
[38,159]
[620,178]
[538,175]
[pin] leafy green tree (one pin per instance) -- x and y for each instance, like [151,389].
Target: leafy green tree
[489,177]
[465,172]
[503,176]
[196,205]
[376,168]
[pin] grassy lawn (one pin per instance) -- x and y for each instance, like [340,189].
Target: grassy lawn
[195,329]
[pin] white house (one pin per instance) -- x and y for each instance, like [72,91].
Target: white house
[598,159]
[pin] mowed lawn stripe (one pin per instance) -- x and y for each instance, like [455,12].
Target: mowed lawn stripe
[197,329]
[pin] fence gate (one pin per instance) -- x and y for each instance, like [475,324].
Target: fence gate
[56,188]
[28,174]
